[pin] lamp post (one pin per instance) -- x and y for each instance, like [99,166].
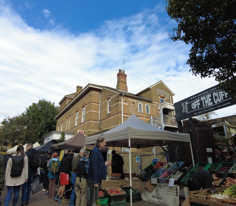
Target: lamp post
[39,107]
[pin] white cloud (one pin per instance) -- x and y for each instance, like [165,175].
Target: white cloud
[38,64]
[46,13]
[51,22]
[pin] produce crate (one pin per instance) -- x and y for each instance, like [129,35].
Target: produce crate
[127,191]
[164,178]
[160,164]
[135,198]
[184,180]
[120,203]
[232,175]
[185,168]
[102,201]
[233,169]
[199,165]
[214,166]
[222,176]
[226,164]
[116,197]
[105,194]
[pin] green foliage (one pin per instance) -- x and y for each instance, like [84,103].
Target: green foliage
[13,130]
[220,139]
[38,119]
[209,26]
[206,116]
[62,138]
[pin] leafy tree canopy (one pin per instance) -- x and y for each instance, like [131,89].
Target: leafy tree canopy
[209,26]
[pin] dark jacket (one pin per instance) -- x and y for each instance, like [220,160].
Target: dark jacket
[97,169]
[117,164]
[2,172]
[66,163]
[202,179]
[44,161]
[30,153]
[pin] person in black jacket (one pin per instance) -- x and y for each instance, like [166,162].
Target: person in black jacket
[202,179]
[44,161]
[117,163]
[65,170]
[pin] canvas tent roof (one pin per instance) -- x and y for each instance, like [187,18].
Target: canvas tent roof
[76,142]
[140,133]
[36,144]
[44,148]
[12,150]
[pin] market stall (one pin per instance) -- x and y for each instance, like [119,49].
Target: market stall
[134,133]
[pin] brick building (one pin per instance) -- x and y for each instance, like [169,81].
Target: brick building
[97,108]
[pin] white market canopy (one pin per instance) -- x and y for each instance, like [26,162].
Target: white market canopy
[36,144]
[140,134]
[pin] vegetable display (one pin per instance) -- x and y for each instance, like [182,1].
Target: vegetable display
[224,169]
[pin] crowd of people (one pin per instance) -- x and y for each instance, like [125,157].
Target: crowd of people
[84,172]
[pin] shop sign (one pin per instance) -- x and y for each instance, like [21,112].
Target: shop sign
[206,101]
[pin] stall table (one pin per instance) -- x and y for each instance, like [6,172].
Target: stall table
[137,184]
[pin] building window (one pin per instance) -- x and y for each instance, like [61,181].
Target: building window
[61,126]
[83,114]
[58,128]
[140,107]
[76,118]
[66,123]
[109,106]
[162,100]
[69,123]
[147,109]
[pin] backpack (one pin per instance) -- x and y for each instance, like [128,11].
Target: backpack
[17,165]
[54,168]
[81,172]
[35,161]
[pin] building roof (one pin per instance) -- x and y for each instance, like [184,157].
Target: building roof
[70,96]
[89,86]
[148,88]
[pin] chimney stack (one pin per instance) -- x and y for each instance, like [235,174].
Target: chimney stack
[121,81]
[78,89]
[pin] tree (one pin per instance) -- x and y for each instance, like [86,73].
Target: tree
[210,27]
[40,120]
[62,137]
[206,116]
[13,130]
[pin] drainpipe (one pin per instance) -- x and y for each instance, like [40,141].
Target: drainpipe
[122,108]
[99,118]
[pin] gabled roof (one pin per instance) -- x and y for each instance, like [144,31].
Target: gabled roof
[148,88]
[70,96]
[90,86]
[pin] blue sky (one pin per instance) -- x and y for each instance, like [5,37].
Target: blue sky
[47,48]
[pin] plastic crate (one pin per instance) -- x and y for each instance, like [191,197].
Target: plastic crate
[105,194]
[164,178]
[102,201]
[184,180]
[214,166]
[227,164]
[120,203]
[184,170]
[160,164]
[127,191]
[135,198]
[232,175]
[116,197]
[199,165]
[233,169]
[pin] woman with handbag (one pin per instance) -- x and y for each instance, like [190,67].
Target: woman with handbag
[16,174]
[53,174]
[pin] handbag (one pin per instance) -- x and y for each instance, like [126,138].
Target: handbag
[36,186]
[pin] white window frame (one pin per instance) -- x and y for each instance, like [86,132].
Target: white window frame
[69,123]
[141,107]
[83,114]
[147,106]
[109,106]
[58,127]
[76,118]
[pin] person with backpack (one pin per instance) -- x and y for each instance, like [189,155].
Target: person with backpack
[73,176]
[34,161]
[65,170]
[81,180]
[16,175]
[53,174]
[44,160]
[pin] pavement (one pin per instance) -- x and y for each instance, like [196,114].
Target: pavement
[41,199]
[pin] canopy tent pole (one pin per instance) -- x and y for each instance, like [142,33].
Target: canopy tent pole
[191,149]
[130,174]
[139,161]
